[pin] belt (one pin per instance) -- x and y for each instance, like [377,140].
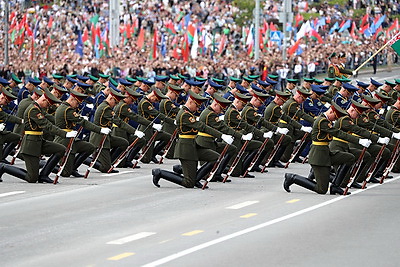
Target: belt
[205,134]
[316,143]
[114,125]
[340,140]
[355,134]
[282,121]
[187,136]
[67,130]
[33,132]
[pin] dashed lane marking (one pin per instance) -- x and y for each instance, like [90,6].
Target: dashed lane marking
[293,201]
[248,215]
[242,205]
[130,238]
[121,256]
[11,193]
[195,232]
[117,173]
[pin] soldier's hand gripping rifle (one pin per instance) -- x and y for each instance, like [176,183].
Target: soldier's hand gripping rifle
[66,155]
[354,170]
[99,149]
[169,145]
[392,161]
[216,166]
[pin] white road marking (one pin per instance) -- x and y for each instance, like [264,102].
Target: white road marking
[11,193]
[242,205]
[117,173]
[257,227]
[130,238]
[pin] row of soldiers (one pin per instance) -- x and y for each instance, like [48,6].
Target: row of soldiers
[252,120]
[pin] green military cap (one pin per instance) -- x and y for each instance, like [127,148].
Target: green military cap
[370,100]
[15,78]
[283,95]
[159,94]
[73,76]
[304,92]
[132,93]
[343,80]
[50,97]
[247,79]
[10,97]
[292,80]
[173,77]
[261,96]
[57,76]
[219,81]
[78,95]
[318,81]
[101,75]
[111,80]
[235,79]
[341,55]
[223,102]
[200,79]
[95,79]
[117,95]
[310,80]
[391,84]
[397,81]
[59,88]
[360,108]
[37,91]
[382,97]
[272,76]
[140,79]
[197,98]
[332,55]
[174,88]
[183,76]
[242,97]
[339,112]
[254,76]
[328,79]
[130,79]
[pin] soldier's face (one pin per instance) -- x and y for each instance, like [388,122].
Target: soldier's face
[353,112]
[3,99]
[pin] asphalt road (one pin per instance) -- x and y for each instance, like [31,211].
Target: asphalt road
[123,220]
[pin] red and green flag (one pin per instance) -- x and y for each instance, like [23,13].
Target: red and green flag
[395,43]
[140,40]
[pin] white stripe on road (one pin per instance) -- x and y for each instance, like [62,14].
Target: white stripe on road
[256,227]
[242,205]
[11,193]
[130,238]
[117,173]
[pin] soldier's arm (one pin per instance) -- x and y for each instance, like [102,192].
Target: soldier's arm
[73,116]
[149,109]
[338,133]
[188,120]
[127,112]
[37,116]
[4,117]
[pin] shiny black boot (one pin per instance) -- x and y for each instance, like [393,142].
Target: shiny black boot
[291,178]
[340,175]
[169,176]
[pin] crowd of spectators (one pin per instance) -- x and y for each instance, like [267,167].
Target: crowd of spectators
[216,18]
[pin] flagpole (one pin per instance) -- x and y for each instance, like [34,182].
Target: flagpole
[379,50]
[6,16]
[257,33]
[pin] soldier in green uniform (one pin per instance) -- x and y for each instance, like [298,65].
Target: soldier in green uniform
[333,68]
[186,149]
[291,108]
[392,117]
[246,81]
[234,120]
[306,86]
[147,111]
[327,97]
[321,158]
[342,66]
[168,108]
[336,86]
[123,111]
[291,85]
[23,105]
[105,118]
[66,118]
[388,90]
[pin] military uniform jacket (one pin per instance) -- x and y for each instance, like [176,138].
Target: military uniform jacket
[66,118]
[210,118]
[229,96]
[345,72]
[322,133]
[4,117]
[341,101]
[333,71]
[393,94]
[124,112]
[293,110]
[333,89]
[23,105]
[251,116]
[170,110]
[347,125]
[147,111]
[274,114]
[23,93]
[373,116]
[188,127]
[235,121]
[392,116]
[35,121]
[105,117]
[364,122]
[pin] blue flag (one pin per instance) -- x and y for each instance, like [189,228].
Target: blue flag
[346,25]
[334,27]
[79,44]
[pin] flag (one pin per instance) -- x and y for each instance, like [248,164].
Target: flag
[345,26]
[299,20]
[85,36]
[140,40]
[378,23]
[222,44]
[79,44]
[394,26]
[163,45]
[334,27]
[153,54]
[170,27]
[272,27]
[364,20]
[352,34]
[395,43]
[304,29]
[377,33]
[50,24]
[185,48]
[48,47]
[264,73]
[195,45]
[191,29]
[95,19]
[315,35]
[293,49]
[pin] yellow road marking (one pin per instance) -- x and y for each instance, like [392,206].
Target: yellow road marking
[293,200]
[248,215]
[121,256]
[165,241]
[195,232]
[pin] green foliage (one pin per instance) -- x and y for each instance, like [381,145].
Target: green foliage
[245,15]
[308,16]
[359,13]
[338,2]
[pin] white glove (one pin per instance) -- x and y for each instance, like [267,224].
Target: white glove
[71,134]
[2,126]
[22,121]
[221,118]
[381,111]
[247,137]
[365,142]
[306,129]
[268,134]
[396,135]
[327,105]
[354,73]
[227,139]
[139,134]
[282,130]
[105,130]
[85,117]
[157,127]
[90,105]
[383,140]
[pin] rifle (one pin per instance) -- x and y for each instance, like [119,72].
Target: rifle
[169,145]
[101,145]
[123,155]
[17,149]
[354,170]
[66,155]
[373,166]
[297,149]
[392,161]
[216,166]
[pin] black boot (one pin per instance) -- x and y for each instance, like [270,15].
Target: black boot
[115,153]
[217,176]
[177,169]
[169,176]
[291,178]
[12,170]
[202,173]
[256,167]
[131,155]
[380,169]
[51,163]
[7,150]
[340,175]
[275,161]
[157,149]
[311,175]
[246,164]
[79,159]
